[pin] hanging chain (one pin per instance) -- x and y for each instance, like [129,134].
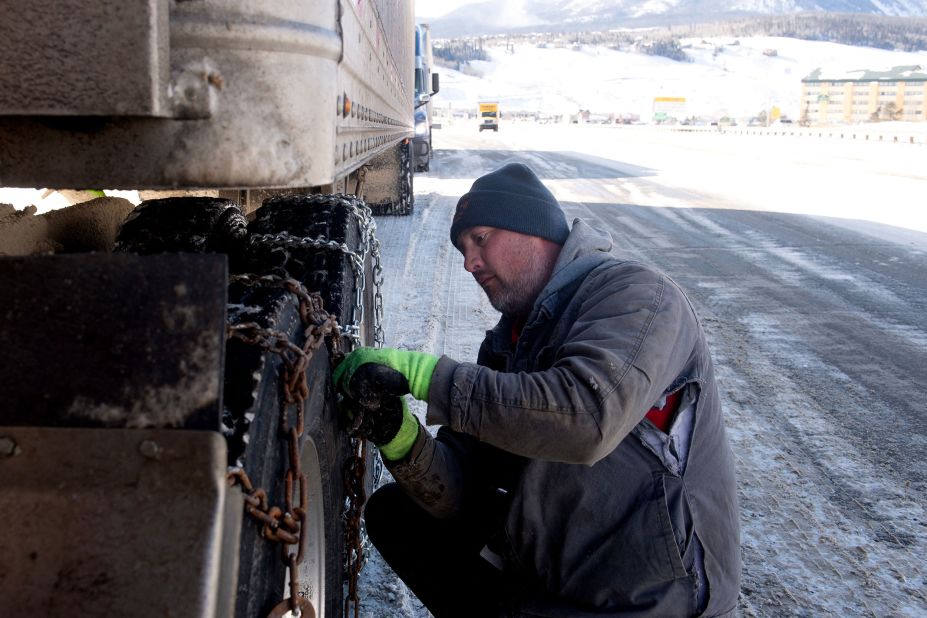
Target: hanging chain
[369,245]
[354,480]
[355,468]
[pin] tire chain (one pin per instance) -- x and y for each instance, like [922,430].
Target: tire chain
[405,189]
[368,245]
[286,527]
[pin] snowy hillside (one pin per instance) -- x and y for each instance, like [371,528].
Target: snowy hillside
[559,11]
[727,77]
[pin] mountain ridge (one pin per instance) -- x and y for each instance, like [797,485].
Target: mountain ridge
[519,16]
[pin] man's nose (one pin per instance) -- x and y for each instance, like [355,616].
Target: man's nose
[472,261]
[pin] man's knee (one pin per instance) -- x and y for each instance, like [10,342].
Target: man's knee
[374,511]
[385,511]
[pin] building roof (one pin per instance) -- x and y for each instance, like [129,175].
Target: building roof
[904,73]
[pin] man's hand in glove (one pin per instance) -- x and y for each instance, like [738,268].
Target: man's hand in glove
[408,372]
[387,423]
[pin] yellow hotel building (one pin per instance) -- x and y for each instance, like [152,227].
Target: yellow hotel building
[899,93]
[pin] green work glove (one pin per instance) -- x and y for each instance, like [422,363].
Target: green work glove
[401,443]
[387,423]
[415,367]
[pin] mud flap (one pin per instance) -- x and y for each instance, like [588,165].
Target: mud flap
[97,340]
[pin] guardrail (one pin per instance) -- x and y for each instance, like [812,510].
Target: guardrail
[821,132]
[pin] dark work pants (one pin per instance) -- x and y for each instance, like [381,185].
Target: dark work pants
[438,559]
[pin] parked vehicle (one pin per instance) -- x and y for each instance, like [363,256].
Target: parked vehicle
[489,115]
[167,414]
[425,79]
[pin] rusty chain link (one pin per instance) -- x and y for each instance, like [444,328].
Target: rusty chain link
[354,480]
[287,526]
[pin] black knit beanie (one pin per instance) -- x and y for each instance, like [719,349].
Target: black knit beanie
[511,198]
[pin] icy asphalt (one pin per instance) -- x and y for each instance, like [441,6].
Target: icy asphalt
[807,262]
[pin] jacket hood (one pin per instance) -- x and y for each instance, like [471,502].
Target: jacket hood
[584,249]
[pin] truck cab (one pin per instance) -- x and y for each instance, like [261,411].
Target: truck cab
[426,86]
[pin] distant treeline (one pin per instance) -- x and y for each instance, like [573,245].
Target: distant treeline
[668,48]
[458,52]
[895,33]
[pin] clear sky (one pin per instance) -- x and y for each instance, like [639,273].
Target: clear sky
[427,9]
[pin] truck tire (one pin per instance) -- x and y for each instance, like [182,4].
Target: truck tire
[279,232]
[426,166]
[184,225]
[288,238]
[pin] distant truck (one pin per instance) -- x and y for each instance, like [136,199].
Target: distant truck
[489,116]
[424,79]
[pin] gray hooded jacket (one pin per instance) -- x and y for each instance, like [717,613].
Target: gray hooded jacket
[605,514]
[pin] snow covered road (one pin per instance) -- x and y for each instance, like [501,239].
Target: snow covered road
[819,332]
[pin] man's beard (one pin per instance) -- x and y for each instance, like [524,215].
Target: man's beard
[517,299]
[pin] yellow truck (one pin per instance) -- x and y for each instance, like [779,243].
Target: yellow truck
[489,115]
